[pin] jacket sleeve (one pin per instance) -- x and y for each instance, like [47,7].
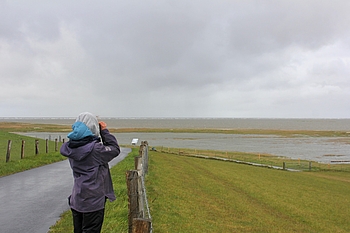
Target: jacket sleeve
[109,149]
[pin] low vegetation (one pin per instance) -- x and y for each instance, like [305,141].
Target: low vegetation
[27,127]
[282,133]
[259,159]
[30,160]
[196,195]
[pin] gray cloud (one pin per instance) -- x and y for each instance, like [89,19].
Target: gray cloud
[172,59]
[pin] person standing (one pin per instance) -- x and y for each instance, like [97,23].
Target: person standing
[88,155]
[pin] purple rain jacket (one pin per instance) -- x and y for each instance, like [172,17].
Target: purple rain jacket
[92,179]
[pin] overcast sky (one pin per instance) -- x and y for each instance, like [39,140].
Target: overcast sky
[175,58]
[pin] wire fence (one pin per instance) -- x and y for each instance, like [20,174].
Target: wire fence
[15,149]
[262,160]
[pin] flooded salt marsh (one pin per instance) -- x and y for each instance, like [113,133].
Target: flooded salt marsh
[320,149]
[205,123]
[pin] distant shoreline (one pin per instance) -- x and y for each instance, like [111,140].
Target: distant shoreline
[307,124]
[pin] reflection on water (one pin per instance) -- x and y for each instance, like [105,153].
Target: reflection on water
[319,149]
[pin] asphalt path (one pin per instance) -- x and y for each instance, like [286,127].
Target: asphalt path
[33,200]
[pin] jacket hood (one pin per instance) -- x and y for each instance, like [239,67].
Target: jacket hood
[80,131]
[77,153]
[90,121]
[85,125]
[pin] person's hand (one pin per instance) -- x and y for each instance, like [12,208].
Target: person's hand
[103,125]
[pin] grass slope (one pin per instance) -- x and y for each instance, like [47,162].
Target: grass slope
[16,164]
[196,195]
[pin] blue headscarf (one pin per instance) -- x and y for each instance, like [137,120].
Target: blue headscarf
[80,131]
[85,125]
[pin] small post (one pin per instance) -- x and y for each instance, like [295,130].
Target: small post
[145,159]
[47,145]
[56,144]
[22,149]
[141,149]
[139,167]
[132,185]
[284,165]
[141,225]
[8,150]
[36,146]
[138,164]
[309,165]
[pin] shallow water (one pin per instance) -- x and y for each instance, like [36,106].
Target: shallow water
[322,149]
[309,148]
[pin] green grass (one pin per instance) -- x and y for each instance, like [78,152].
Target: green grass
[282,133]
[116,213]
[16,164]
[264,159]
[196,195]
[28,127]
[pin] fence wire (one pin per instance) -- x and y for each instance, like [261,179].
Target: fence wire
[146,213]
[146,210]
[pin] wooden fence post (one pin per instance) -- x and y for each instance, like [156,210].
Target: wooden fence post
[36,146]
[8,154]
[310,166]
[47,145]
[284,165]
[132,185]
[138,164]
[141,149]
[140,170]
[22,149]
[145,159]
[56,144]
[141,225]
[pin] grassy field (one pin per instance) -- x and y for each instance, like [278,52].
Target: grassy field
[263,159]
[26,127]
[282,133]
[197,195]
[16,164]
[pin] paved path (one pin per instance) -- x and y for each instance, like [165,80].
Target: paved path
[32,201]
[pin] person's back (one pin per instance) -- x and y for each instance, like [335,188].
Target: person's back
[89,158]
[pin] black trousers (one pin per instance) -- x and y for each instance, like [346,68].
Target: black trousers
[88,222]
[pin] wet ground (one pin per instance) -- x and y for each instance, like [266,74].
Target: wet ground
[319,149]
[32,201]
